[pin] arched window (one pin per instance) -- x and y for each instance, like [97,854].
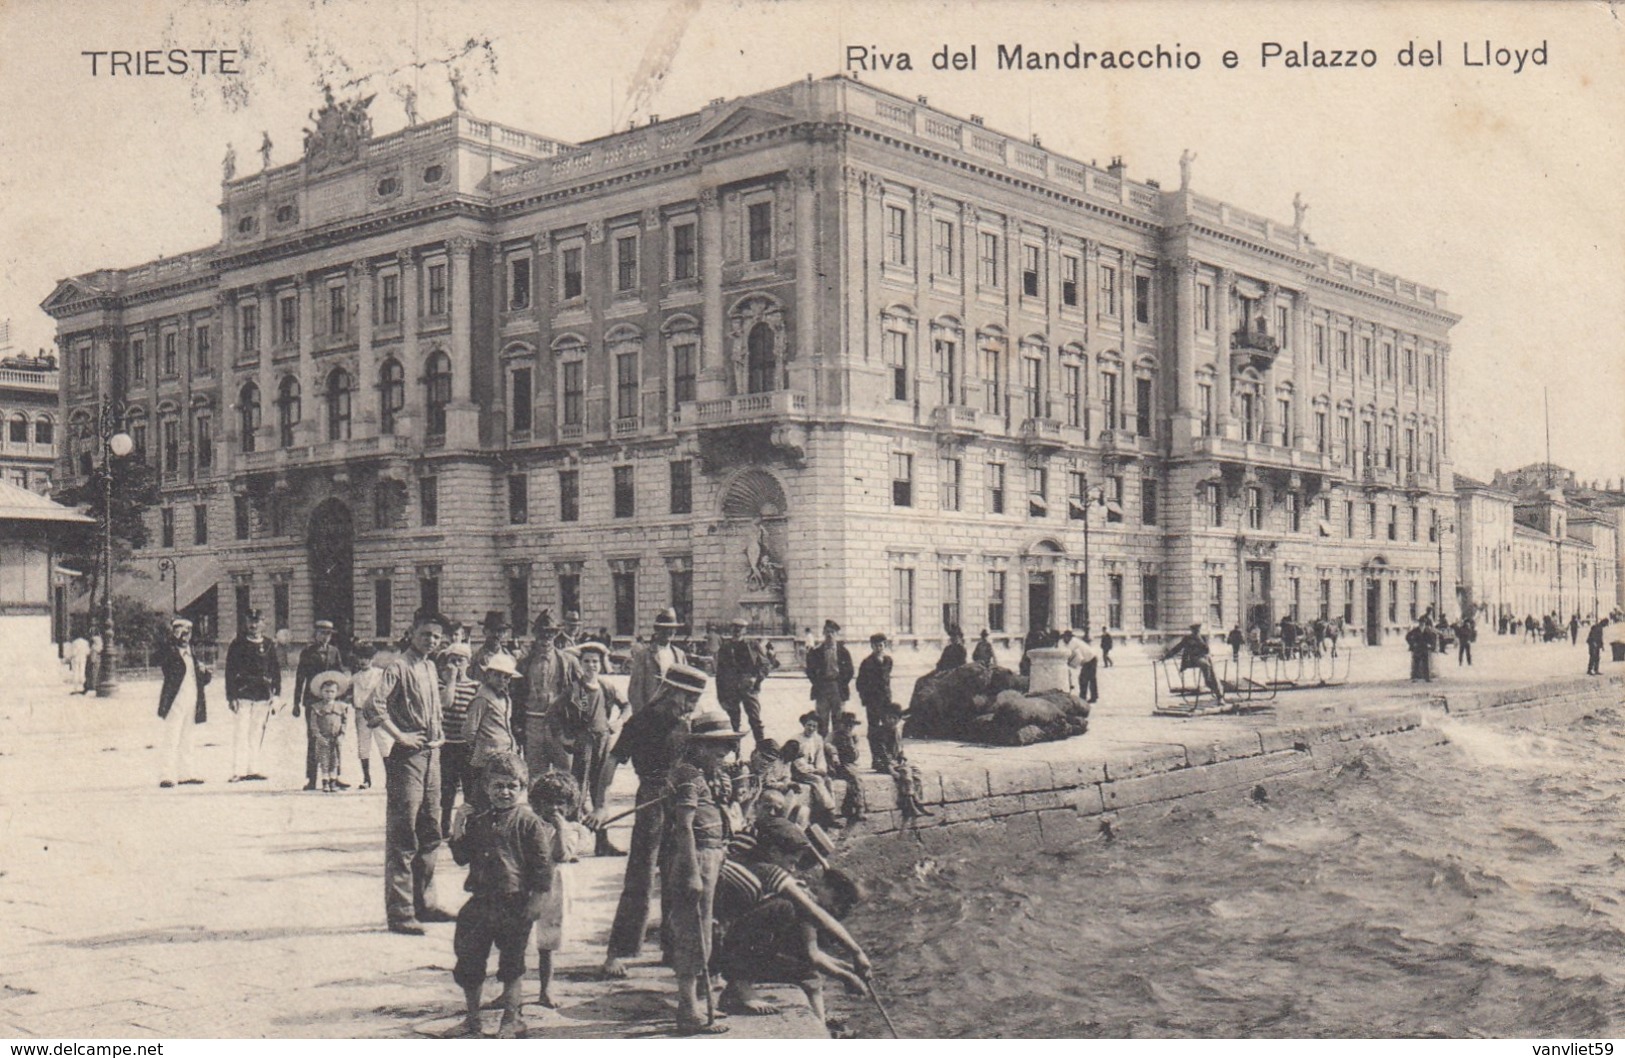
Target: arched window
[437,380]
[248,416]
[44,430]
[338,405]
[17,433]
[761,365]
[391,394]
[289,410]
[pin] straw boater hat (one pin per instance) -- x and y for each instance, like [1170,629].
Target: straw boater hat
[502,663]
[592,647]
[324,625]
[322,679]
[459,650]
[667,618]
[179,623]
[686,678]
[713,726]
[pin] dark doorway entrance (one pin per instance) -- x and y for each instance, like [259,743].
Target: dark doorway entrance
[1040,600]
[1260,614]
[1373,612]
[332,565]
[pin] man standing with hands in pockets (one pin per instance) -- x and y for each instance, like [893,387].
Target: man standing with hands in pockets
[253,682]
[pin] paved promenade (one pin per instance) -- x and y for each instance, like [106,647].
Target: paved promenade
[228,910]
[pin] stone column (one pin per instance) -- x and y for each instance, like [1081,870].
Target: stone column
[711,381]
[1267,412]
[311,428]
[265,298]
[363,413]
[411,358]
[1301,354]
[225,355]
[462,415]
[1090,264]
[1224,383]
[805,355]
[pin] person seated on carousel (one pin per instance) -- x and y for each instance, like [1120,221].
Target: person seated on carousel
[777,927]
[1193,653]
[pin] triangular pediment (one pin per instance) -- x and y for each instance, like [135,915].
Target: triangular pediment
[68,293]
[742,121]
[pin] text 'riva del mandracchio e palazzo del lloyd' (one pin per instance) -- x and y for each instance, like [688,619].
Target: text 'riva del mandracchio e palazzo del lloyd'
[817,352]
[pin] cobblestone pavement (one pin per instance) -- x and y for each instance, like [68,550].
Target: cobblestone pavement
[248,910]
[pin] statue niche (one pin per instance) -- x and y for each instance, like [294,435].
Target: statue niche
[755,542]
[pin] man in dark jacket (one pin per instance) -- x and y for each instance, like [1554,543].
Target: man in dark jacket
[180,704]
[874,691]
[740,668]
[253,682]
[1193,653]
[321,656]
[1594,648]
[829,667]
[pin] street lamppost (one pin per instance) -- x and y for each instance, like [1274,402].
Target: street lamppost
[1443,526]
[116,444]
[166,570]
[1078,510]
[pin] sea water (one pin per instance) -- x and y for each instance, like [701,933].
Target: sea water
[1469,889]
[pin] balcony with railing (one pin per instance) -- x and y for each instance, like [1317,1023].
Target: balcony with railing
[324,453]
[955,421]
[1253,346]
[777,406]
[1260,454]
[1045,435]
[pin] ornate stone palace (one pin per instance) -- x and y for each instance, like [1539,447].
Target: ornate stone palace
[817,352]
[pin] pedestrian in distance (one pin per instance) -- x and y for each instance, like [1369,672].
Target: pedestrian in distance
[507,849]
[1236,641]
[1594,640]
[1106,643]
[1466,635]
[1193,653]
[953,654]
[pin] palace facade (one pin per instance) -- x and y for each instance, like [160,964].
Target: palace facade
[818,352]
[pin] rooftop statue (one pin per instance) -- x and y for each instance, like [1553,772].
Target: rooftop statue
[339,129]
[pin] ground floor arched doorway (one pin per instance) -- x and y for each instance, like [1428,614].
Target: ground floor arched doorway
[330,543]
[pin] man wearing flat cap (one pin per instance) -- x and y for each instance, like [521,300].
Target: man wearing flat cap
[829,667]
[741,666]
[323,655]
[652,741]
[180,704]
[651,660]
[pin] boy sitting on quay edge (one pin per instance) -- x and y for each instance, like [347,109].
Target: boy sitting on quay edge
[507,849]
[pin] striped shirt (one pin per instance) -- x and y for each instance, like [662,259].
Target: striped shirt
[742,886]
[457,709]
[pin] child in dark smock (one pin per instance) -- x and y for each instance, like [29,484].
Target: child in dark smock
[508,851]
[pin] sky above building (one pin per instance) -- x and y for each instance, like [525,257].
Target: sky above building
[1498,184]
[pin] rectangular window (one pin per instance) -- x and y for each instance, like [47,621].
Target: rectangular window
[995,488]
[682,373]
[902,613]
[1142,301]
[1114,500]
[1294,512]
[1348,602]
[1037,492]
[626,386]
[1148,501]
[759,221]
[1108,291]
[429,590]
[1410,369]
[519,601]
[389,298]
[1032,380]
[201,349]
[992,380]
[624,590]
[1320,345]
[1321,440]
[946,264]
[569,495]
[625,494]
[953,596]
[570,591]
[519,400]
[1371,520]
[1283,420]
[1114,600]
[682,487]
[1345,438]
[1343,351]
[1415,600]
[338,321]
[84,367]
[250,328]
[171,366]
[239,516]
[1427,370]
[987,259]
[1416,524]
[1393,522]
[428,502]
[1204,306]
[684,261]
[138,360]
[437,290]
[1213,504]
[245,603]
[950,479]
[518,499]
[1078,605]
[200,523]
[1215,599]
[896,235]
[1204,407]
[1030,256]
[1294,595]
[1365,355]
[996,580]
[518,283]
[1255,507]
[280,615]
[1142,407]
[574,387]
[1150,597]
[288,320]
[1109,400]
[680,583]
[1323,600]
[1387,361]
[896,349]
[626,262]
[171,431]
[1072,393]
[166,527]
[203,444]
[1069,281]
[902,479]
[570,286]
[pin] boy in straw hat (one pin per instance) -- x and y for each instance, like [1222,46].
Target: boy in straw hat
[697,841]
[328,718]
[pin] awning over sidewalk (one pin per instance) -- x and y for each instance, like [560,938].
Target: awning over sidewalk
[197,573]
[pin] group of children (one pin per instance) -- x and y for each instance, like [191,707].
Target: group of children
[796,776]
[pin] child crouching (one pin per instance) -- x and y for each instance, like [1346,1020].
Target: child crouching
[508,852]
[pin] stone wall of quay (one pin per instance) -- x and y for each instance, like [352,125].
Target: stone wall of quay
[1060,801]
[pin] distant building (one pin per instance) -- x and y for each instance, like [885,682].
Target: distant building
[822,351]
[29,393]
[33,603]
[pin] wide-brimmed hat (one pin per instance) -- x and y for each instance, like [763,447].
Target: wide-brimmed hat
[179,623]
[322,679]
[832,626]
[849,719]
[544,620]
[592,647]
[495,621]
[667,618]
[502,663]
[712,725]
[686,678]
